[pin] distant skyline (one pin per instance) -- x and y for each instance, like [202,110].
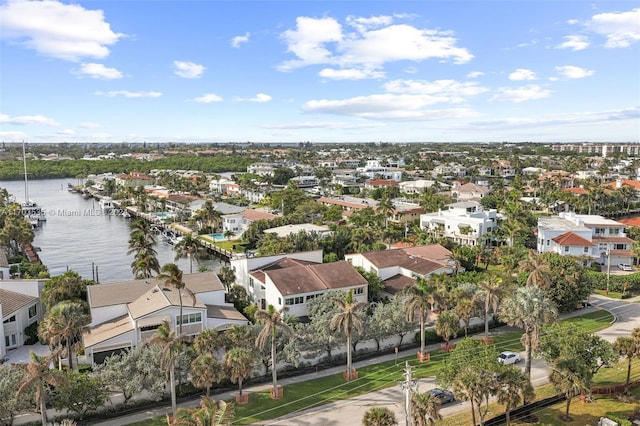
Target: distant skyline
[319,71]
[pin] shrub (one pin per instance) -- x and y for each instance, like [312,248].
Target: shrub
[31,334]
[622,421]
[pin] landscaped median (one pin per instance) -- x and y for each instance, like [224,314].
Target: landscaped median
[316,392]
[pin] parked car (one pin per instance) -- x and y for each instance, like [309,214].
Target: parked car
[508,358]
[625,267]
[444,395]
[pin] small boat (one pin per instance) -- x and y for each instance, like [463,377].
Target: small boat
[30,209]
[106,203]
[86,194]
[126,214]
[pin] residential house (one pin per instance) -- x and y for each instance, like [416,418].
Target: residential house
[126,314]
[464,222]
[5,268]
[240,221]
[449,170]
[262,169]
[468,191]
[398,267]
[374,170]
[294,283]
[133,179]
[380,183]
[286,230]
[590,236]
[20,307]
[503,168]
[420,185]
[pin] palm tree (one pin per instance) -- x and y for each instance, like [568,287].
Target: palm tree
[239,363]
[66,320]
[210,413]
[171,345]
[419,299]
[447,326]
[570,377]
[205,370]
[272,320]
[144,264]
[38,375]
[385,209]
[425,409]
[514,388]
[141,245]
[629,348]
[465,309]
[347,318]
[227,277]
[173,278]
[490,292]
[379,416]
[528,308]
[188,246]
[538,269]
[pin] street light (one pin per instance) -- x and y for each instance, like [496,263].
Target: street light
[608,267]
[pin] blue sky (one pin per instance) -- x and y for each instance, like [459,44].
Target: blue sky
[319,71]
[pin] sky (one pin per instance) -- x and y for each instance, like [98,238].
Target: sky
[319,71]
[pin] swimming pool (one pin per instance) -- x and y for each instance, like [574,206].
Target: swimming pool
[217,237]
[162,215]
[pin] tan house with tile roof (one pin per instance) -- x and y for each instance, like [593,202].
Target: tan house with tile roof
[20,307]
[125,314]
[397,267]
[240,221]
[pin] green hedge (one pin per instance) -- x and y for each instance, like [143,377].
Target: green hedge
[622,421]
[598,280]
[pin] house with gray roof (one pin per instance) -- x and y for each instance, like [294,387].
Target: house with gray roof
[20,307]
[126,314]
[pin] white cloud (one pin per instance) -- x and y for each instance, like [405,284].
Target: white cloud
[323,125]
[87,125]
[260,98]
[522,74]
[100,71]
[128,94]
[350,74]
[66,132]
[188,69]
[238,40]
[573,72]
[323,41]
[475,74]
[449,91]
[572,21]
[64,31]
[521,94]
[574,42]
[208,98]
[28,120]
[620,28]
[13,136]
[364,24]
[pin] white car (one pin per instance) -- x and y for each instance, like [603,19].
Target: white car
[508,358]
[625,267]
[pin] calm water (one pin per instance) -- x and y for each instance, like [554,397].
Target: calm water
[77,234]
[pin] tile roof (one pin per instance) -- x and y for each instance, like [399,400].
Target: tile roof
[160,297]
[13,301]
[252,214]
[571,239]
[224,312]
[107,330]
[396,283]
[622,240]
[127,291]
[424,258]
[315,277]
[4,263]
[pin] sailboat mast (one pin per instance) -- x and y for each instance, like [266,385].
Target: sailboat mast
[26,184]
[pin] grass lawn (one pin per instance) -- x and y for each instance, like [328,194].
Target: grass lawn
[227,245]
[311,393]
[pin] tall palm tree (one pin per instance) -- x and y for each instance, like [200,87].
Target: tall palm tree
[188,246]
[272,320]
[171,345]
[385,209]
[490,291]
[205,370]
[239,363]
[419,299]
[142,246]
[465,309]
[514,388]
[66,320]
[172,276]
[210,413]
[347,319]
[425,409]
[447,326]
[538,269]
[629,348]
[38,375]
[528,308]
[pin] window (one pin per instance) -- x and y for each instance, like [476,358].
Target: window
[279,301]
[33,311]
[10,340]
[311,297]
[294,300]
[566,249]
[10,319]
[586,250]
[251,282]
[359,290]
[189,318]
[599,232]
[614,231]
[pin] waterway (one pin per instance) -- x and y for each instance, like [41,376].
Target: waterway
[79,236]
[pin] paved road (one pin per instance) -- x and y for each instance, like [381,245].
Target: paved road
[350,411]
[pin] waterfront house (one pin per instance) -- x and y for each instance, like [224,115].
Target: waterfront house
[286,230]
[133,179]
[468,191]
[397,267]
[126,314]
[240,221]
[592,237]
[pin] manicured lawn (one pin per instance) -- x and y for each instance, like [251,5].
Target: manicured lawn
[320,391]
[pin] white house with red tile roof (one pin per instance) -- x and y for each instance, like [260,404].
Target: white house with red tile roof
[240,221]
[397,267]
[595,236]
[464,222]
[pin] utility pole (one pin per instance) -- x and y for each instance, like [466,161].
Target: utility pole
[608,266]
[409,385]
